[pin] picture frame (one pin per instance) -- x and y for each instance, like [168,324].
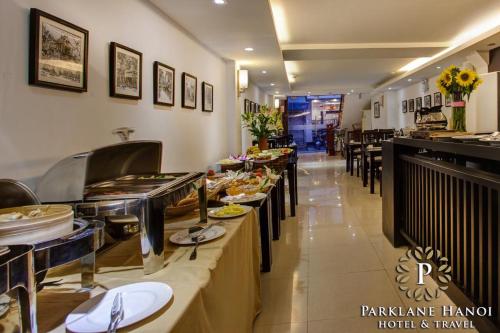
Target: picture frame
[252,106]
[411,105]
[376,110]
[438,99]
[447,101]
[405,106]
[53,66]
[427,101]
[163,84]
[418,103]
[207,97]
[246,105]
[189,90]
[125,72]
[257,107]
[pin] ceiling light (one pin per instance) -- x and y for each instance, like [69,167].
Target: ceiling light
[220,2]
[414,64]
[438,67]
[276,92]
[264,72]
[390,88]
[272,84]
[409,80]
[352,90]
[249,49]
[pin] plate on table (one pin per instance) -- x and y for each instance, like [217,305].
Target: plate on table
[492,140]
[243,198]
[228,212]
[94,314]
[183,237]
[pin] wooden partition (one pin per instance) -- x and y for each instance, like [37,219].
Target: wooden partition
[447,196]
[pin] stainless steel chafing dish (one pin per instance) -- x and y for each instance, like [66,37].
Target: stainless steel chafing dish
[122,185]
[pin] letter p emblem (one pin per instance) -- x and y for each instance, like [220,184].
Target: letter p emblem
[423,270]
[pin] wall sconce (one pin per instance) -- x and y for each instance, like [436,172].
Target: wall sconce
[242,80]
[276,103]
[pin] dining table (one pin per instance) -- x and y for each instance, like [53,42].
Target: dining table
[219,291]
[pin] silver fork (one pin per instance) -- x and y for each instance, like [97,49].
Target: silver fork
[116,313]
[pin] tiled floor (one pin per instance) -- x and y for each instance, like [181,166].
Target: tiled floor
[331,258]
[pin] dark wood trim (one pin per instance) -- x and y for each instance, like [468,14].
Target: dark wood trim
[34,42]
[203,106]
[184,74]
[112,69]
[157,64]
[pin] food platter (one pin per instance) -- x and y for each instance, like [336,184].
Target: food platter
[35,224]
[229,211]
[244,198]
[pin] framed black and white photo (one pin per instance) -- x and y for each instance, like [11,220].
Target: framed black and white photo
[207,97]
[252,106]
[411,105]
[247,105]
[58,53]
[447,100]
[376,110]
[438,99]
[418,103]
[427,101]
[405,106]
[189,91]
[125,72]
[163,84]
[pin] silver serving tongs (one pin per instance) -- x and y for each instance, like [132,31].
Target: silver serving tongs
[117,313]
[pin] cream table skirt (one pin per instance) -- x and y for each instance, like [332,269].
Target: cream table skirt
[217,292]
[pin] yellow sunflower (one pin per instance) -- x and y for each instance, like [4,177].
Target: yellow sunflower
[451,68]
[477,83]
[446,77]
[466,77]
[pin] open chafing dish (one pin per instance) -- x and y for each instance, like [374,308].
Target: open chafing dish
[122,185]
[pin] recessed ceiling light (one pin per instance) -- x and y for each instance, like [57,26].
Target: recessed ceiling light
[264,72]
[249,49]
[276,92]
[352,90]
[438,67]
[309,93]
[272,84]
[390,88]
[409,80]
[220,2]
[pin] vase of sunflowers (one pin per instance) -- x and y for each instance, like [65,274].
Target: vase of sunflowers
[458,83]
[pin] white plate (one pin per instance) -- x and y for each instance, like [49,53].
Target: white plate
[211,213]
[140,300]
[244,199]
[184,238]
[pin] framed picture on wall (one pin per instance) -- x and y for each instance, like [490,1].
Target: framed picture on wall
[163,84]
[246,105]
[427,101]
[447,101]
[405,106]
[376,110]
[418,103]
[58,53]
[257,107]
[207,97]
[189,90]
[252,107]
[125,72]
[438,99]
[411,105]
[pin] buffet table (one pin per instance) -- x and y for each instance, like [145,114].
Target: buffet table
[217,292]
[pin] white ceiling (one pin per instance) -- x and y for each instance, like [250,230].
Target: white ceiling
[228,29]
[330,45]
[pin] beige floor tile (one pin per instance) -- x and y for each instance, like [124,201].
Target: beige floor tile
[348,325]
[341,295]
[282,328]
[334,236]
[283,301]
[343,259]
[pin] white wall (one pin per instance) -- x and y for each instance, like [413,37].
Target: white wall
[352,111]
[39,126]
